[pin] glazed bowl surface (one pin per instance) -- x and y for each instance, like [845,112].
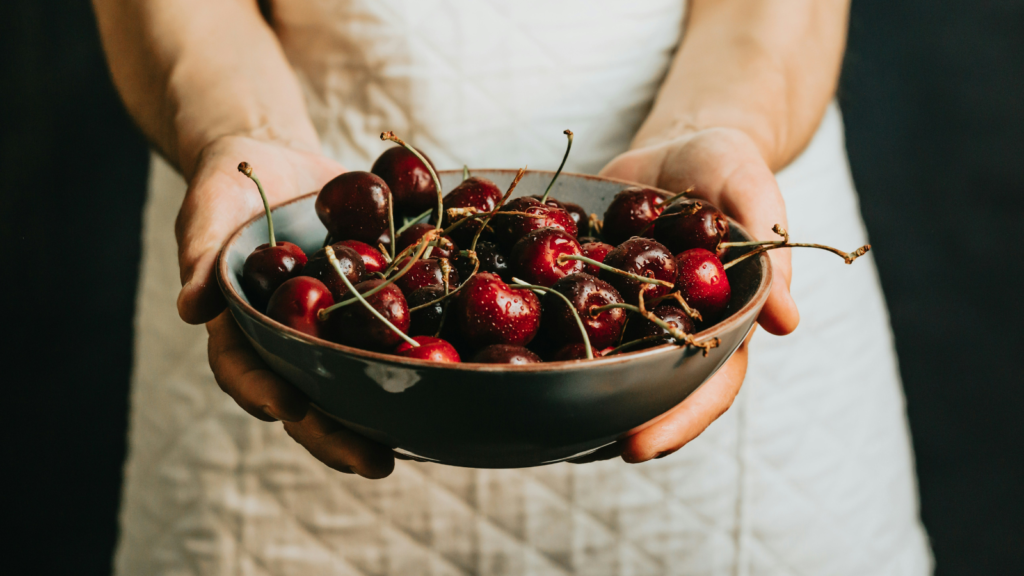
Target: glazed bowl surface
[486,415]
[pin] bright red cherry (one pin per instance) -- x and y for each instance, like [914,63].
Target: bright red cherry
[427,272]
[630,212]
[473,192]
[408,179]
[354,325]
[411,235]
[691,224]
[373,259]
[703,283]
[430,348]
[296,304]
[586,293]
[595,251]
[267,268]
[509,229]
[355,206]
[320,267]
[506,354]
[491,312]
[535,257]
[639,327]
[643,257]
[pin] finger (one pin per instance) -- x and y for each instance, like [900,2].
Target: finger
[340,448]
[241,373]
[691,417]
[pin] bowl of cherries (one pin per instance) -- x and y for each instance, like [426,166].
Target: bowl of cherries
[494,318]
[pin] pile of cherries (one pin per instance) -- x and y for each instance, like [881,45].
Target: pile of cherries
[475,274]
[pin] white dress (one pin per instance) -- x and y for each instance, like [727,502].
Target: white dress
[810,472]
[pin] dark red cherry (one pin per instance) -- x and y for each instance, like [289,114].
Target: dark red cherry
[267,268]
[630,212]
[296,302]
[639,327]
[425,321]
[576,351]
[411,235]
[535,257]
[506,354]
[703,283]
[595,251]
[691,224]
[430,348]
[491,260]
[586,293]
[373,259]
[320,267]
[354,206]
[509,229]
[354,325]
[491,312]
[643,257]
[424,273]
[578,214]
[408,179]
[473,192]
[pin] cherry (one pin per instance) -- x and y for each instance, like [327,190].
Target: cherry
[271,264]
[296,303]
[319,267]
[639,327]
[596,251]
[491,260]
[356,326]
[478,193]
[412,235]
[427,320]
[506,354]
[703,283]
[373,258]
[408,179]
[630,212]
[534,258]
[576,351]
[578,214]
[355,206]
[427,272]
[510,228]
[643,257]
[585,292]
[691,224]
[430,348]
[491,312]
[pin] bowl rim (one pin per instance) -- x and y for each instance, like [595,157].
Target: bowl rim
[738,317]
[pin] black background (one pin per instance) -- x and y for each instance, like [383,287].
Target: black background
[932,95]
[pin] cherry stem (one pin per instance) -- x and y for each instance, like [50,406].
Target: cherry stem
[246,169]
[678,297]
[634,343]
[671,199]
[389,135]
[765,246]
[487,220]
[689,212]
[326,311]
[465,172]
[676,333]
[348,284]
[561,260]
[327,240]
[476,267]
[576,315]
[560,166]
[391,222]
[419,217]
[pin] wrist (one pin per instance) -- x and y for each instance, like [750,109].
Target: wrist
[753,125]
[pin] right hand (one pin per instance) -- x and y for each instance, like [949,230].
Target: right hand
[218,201]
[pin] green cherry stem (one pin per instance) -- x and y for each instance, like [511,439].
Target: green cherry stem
[476,268]
[465,172]
[389,135]
[561,260]
[419,217]
[487,219]
[678,297]
[579,321]
[422,247]
[391,223]
[763,247]
[348,284]
[634,343]
[246,169]
[560,166]
[676,333]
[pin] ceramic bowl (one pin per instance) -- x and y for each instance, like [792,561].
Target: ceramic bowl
[486,415]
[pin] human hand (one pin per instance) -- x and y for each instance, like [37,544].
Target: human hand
[724,167]
[220,199]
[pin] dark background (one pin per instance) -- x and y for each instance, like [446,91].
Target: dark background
[932,94]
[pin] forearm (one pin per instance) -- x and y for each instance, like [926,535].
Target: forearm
[191,71]
[767,67]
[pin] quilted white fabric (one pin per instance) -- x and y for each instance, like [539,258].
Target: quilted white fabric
[810,472]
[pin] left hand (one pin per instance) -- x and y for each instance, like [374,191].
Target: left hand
[726,168]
